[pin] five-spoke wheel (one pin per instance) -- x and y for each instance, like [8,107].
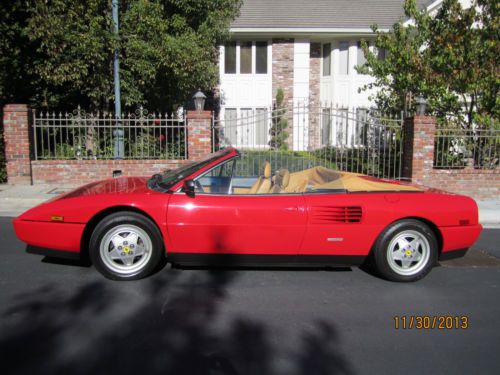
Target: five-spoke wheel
[405,251]
[126,246]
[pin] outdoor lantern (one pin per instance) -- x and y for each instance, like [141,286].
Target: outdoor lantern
[421,105]
[199,100]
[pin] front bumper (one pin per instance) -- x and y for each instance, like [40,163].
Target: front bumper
[50,235]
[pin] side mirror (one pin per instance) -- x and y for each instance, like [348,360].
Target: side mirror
[188,188]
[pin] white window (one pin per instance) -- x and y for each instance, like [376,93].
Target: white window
[245,57]
[327,50]
[326,127]
[246,127]
[230,123]
[381,53]
[230,58]
[261,130]
[361,55]
[344,58]
[261,57]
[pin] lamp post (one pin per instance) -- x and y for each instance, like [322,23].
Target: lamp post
[199,101]
[421,105]
[118,151]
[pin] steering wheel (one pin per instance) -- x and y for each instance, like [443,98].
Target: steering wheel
[199,186]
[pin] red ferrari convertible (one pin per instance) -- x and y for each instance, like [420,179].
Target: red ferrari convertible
[206,213]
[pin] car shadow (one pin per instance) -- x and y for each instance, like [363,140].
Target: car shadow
[261,268]
[67,262]
[174,322]
[160,325]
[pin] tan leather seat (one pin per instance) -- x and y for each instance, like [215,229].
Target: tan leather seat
[281,181]
[263,183]
[298,188]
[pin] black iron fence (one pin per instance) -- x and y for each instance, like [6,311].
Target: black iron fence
[299,136]
[456,147]
[101,135]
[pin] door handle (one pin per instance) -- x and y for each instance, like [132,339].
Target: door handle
[291,209]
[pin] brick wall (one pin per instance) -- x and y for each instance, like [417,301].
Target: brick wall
[17,143]
[419,134]
[84,171]
[282,69]
[22,170]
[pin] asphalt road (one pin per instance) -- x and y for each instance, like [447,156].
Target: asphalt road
[61,317]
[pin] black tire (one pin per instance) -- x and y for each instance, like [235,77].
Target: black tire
[405,251]
[138,240]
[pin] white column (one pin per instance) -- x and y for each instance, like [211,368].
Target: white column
[301,93]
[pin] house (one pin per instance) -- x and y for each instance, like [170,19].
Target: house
[310,50]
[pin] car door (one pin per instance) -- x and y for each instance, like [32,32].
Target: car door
[236,224]
[339,224]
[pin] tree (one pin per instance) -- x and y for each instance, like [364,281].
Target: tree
[278,132]
[15,53]
[450,58]
[170,48]
[63,50]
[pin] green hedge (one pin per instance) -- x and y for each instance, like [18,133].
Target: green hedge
[251,161]
[381,164]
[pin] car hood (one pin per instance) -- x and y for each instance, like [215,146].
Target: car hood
[120,185]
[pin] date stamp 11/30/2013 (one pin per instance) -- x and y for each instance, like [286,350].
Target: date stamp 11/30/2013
[441,322]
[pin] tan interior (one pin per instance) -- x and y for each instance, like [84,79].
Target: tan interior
[281,182]
[263,183]
[321,178]
[316,179]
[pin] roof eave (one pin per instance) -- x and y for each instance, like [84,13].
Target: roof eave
[300,31]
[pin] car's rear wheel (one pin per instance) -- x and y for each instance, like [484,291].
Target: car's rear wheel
[126,246]
[405,251]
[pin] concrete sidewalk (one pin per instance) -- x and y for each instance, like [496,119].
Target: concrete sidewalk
[15,199]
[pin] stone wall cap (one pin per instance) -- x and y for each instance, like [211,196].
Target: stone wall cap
[199,115]
[15,107]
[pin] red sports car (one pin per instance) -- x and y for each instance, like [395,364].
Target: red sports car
[207,212]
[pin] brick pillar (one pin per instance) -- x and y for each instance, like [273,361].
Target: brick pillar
[17,143]
[418,148]
[282,71]
[199,133]
[314,95]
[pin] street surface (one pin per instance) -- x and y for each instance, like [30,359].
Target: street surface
[64,317]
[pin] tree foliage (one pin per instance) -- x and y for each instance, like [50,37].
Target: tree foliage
[62,51]
[449,57]
[278,132]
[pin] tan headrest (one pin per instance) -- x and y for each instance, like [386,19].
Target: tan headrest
[283,178]
[267,169]
[286,178]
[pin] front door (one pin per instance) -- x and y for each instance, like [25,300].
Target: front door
[236,224]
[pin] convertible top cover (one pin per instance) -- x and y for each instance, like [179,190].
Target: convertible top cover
[321,178]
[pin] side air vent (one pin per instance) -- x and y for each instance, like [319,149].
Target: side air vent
[329,214]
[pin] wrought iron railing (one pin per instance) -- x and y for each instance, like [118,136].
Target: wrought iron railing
[81,135]
[458,148]
[299,136]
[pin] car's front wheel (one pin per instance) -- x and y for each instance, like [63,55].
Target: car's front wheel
[405,251]
[126,246]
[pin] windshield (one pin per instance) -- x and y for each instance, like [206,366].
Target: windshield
[169,178]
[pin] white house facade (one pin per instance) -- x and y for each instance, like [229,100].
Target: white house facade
[310,50]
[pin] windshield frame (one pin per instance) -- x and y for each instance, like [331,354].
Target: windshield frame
[191,170]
